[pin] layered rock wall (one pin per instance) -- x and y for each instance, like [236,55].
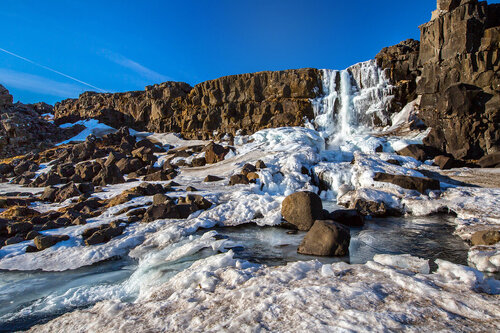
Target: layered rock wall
[248,101]
[460,80]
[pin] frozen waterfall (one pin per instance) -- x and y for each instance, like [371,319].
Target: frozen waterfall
[354,101]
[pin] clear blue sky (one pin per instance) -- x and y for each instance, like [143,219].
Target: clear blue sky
[121,45]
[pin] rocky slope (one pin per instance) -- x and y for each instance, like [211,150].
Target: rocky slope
[23,130]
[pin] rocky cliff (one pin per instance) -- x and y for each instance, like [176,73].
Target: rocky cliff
[247,102]
[23,130]
[460,81]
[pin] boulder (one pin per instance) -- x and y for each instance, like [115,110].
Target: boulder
[128,165]
[19,228]
[247,168]
[145,154]
[167,210]
[490,161]
[160,176]
[408,182]
[215,153]
[160,198]
[301,209]
[260,165]
[238,179]
[252,176]
[326,238]
[445,162]
[65,170]
[108,175]
[87,170]
[14,240]
[415,150]
[43,242]
[373,208]
[485,237]
[348,217]
[66,192]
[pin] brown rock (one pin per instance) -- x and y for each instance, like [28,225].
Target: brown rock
[411,183]
[485,237]
[43,242]
[301,209]
[326,238]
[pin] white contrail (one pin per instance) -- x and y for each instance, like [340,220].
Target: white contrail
[51,69]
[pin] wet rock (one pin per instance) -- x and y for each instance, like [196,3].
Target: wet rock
[238,179]
[490,161]
[211,178]
[348,217]
[301,209]
[326,238]
[485,237]
[411,183]
[43,242]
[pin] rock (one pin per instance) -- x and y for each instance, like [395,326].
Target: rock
[79,221]
[416,151]
[160,176]
[19,213]
[348,217]
[31,235]
[247,168]
[14,240]
[87,170]
[373,208]
[211,178]
[490,161]
[31,248]
[85,187]
[215,153]
[198,200]
[47,179]
[108,175]
[326,238]
[411,183]
[199,162]
[238,179]
[445,162]
[301,209]
[65,170]
[25,166]
[145,154]
[163,211]
[104,235]
[43,242]
[19,228]
[6,169]
[252,176]
[66,192]
[160,198]
[128,165]
[260,165]
[186,209]
[485,237]
[191,189]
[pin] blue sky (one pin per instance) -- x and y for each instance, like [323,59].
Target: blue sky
[125,45]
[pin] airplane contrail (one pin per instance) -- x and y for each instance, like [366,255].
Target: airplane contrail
[51,69]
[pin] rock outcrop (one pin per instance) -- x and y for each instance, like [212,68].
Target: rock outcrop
[460,82]
[23,130]
[224,105]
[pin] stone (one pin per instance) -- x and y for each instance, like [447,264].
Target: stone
[85,187]
[49,194]
[485,237]
[43,242]
[108,175]
[87,170]
[198,162]
[65,170]
[67,191]
[31,235]
[19,213]
[79,221]
[160,176]
[420,184]
[445,162]
[252,176]
[14,240]
[211,178]
[19,228]
[48,179]
[129,165]
[215,153]
[163,211]
[191,189]
[326,238]
[490,161]
[160,198]
[415,150]
[348,217]
[247,168]
[238,179]
[145,154]
[373,208]
[301,209]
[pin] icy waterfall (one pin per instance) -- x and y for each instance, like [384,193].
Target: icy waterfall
[354,101]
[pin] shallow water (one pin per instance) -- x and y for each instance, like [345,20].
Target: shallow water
[31,298]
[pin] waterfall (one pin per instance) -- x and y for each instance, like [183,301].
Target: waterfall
[354,101]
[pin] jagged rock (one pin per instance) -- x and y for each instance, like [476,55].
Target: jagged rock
[25,166]
[215,153]
[167,210]
[108,175]
[160,198]
[326,238]
[31,235]
[145,154]
[47,179]
[348,217]
[88,170]
[65,170]
[485,237]
[445,162]
[44,242]
[66,192]
[86,187]
[490,161]
[14,240]
[415,150]
[128,165]
[301,209]
[19,213]
[411,183]
[160,176]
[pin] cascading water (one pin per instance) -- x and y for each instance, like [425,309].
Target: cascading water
[354,100]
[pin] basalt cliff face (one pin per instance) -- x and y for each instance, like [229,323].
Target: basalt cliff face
[247,102]
[460,80]
[455,70]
